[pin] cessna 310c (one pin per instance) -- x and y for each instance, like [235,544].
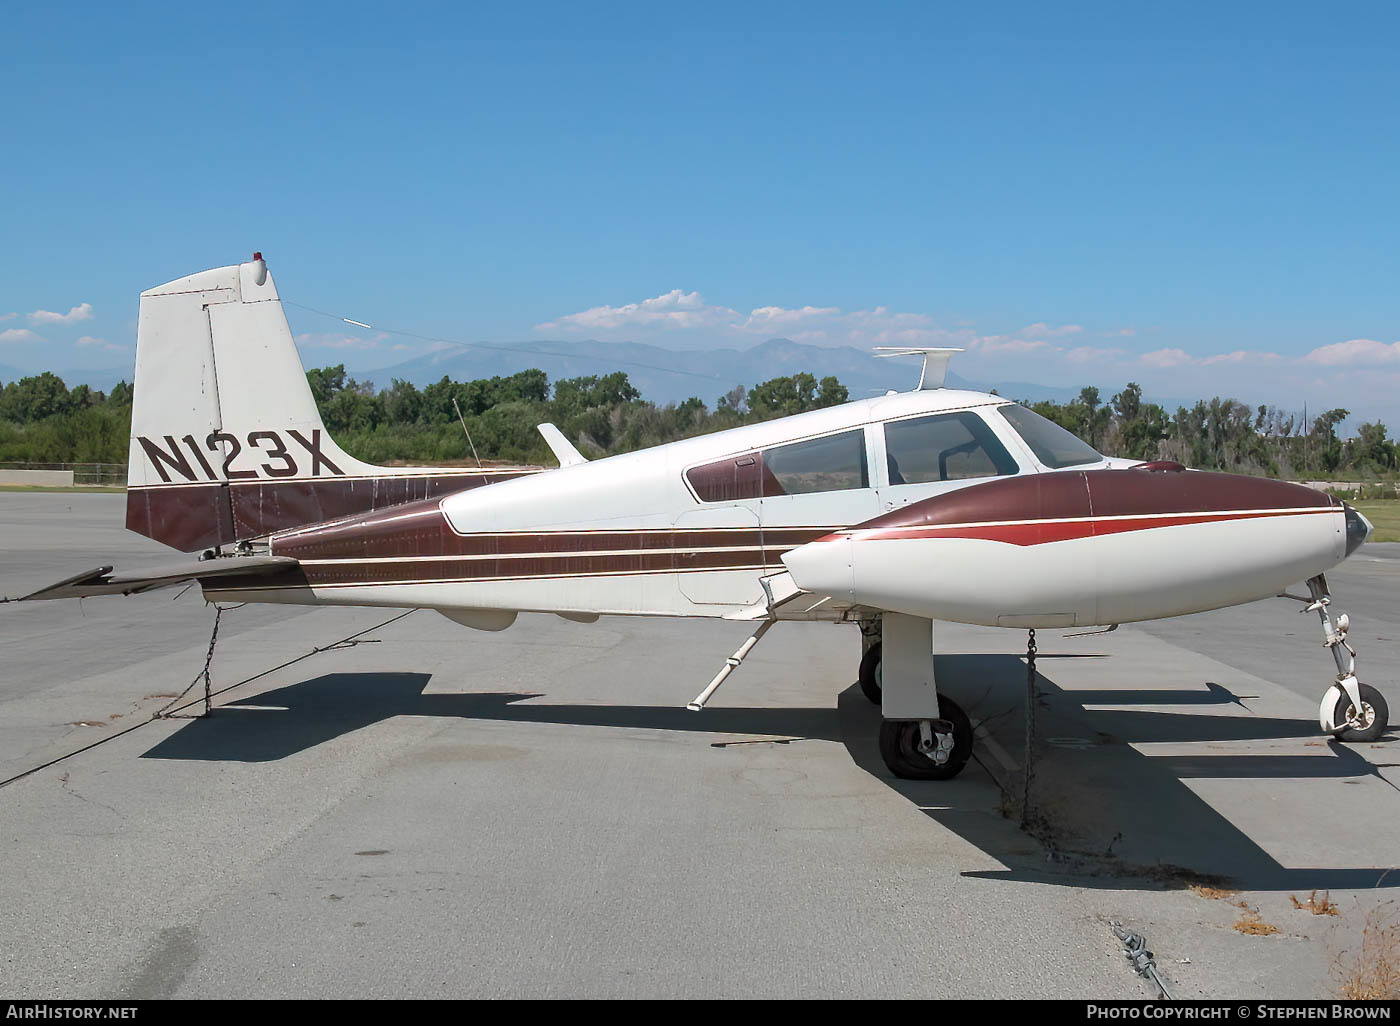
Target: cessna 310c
[892,512]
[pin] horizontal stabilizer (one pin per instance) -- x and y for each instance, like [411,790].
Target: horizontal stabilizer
[935,362]
[562,448]
[102,581]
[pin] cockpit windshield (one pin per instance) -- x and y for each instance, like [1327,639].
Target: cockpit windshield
[1055,447]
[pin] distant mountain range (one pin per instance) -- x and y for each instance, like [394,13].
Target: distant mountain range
[662,375]
[668,375]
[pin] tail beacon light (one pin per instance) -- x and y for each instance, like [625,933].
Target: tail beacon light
[1084,548]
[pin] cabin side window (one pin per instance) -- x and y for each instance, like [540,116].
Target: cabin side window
[946,447]
[832,464]
[829,464]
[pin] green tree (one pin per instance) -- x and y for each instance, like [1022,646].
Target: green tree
[782,397]
[34,398]
[402,402]
[325,382]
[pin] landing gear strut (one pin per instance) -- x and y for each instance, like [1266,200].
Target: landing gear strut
[871,648]
[870,673]
[1350,710]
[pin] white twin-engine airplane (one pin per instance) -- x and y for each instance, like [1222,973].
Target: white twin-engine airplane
[892,513]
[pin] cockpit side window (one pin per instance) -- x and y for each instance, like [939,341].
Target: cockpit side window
[829,464]
[945,447]
[1055,447]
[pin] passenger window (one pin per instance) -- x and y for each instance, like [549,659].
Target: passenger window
[947,447]
[830,464]
[739,477]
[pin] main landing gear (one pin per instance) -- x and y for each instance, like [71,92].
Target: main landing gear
[928,749]
[1350,710]
[924,735]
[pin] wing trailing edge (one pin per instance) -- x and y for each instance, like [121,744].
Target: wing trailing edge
[103,581]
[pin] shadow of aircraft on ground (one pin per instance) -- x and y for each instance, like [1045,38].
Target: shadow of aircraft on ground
[1106,815]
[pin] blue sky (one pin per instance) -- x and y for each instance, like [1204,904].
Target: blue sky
[1200,197]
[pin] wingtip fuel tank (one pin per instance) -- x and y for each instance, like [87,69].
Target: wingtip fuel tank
[1084,548]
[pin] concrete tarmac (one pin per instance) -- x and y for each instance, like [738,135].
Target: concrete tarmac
[429,811]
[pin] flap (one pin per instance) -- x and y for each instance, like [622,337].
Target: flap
[102,581]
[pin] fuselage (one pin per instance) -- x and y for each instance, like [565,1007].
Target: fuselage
[938,503]
[683,529]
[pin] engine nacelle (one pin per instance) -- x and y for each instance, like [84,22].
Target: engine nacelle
[1084,548]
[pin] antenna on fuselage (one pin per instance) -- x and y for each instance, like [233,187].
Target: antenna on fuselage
[463,421]
[935,362]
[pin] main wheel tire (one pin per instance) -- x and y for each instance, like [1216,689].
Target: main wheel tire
[1374,717]
[870,673]
[899,746]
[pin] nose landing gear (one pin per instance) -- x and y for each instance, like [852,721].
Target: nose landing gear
[1350,710]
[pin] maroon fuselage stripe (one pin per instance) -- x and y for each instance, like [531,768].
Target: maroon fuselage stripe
[415,543]
[197,516]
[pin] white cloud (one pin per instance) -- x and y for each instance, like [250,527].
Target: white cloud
[1357,351]
[775,318]
[678,312]
[1093,354]
[995,344]
[1240,356]
[1043,330]
[674,309]
[82,312]
[312,340]
[8,316]
[1166,358]
[88,342]
[19,335]
[1181,358]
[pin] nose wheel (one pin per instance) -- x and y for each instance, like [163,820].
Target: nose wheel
[1341,717]
[1350,711]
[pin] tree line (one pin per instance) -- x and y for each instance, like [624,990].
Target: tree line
[1225,434]
[43,421]
[602,414]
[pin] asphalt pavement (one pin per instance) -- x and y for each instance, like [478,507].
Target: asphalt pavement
[428,811]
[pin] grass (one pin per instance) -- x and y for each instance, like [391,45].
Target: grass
[1323,906]
[1251,923]
[1210,893]
[76,488]
[1370,971]
[1385,515]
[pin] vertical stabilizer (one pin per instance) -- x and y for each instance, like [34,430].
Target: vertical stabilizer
[226,440]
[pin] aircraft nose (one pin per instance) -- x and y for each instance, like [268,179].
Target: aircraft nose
[1359,529]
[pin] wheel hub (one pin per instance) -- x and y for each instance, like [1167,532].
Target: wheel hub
[1367,717]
